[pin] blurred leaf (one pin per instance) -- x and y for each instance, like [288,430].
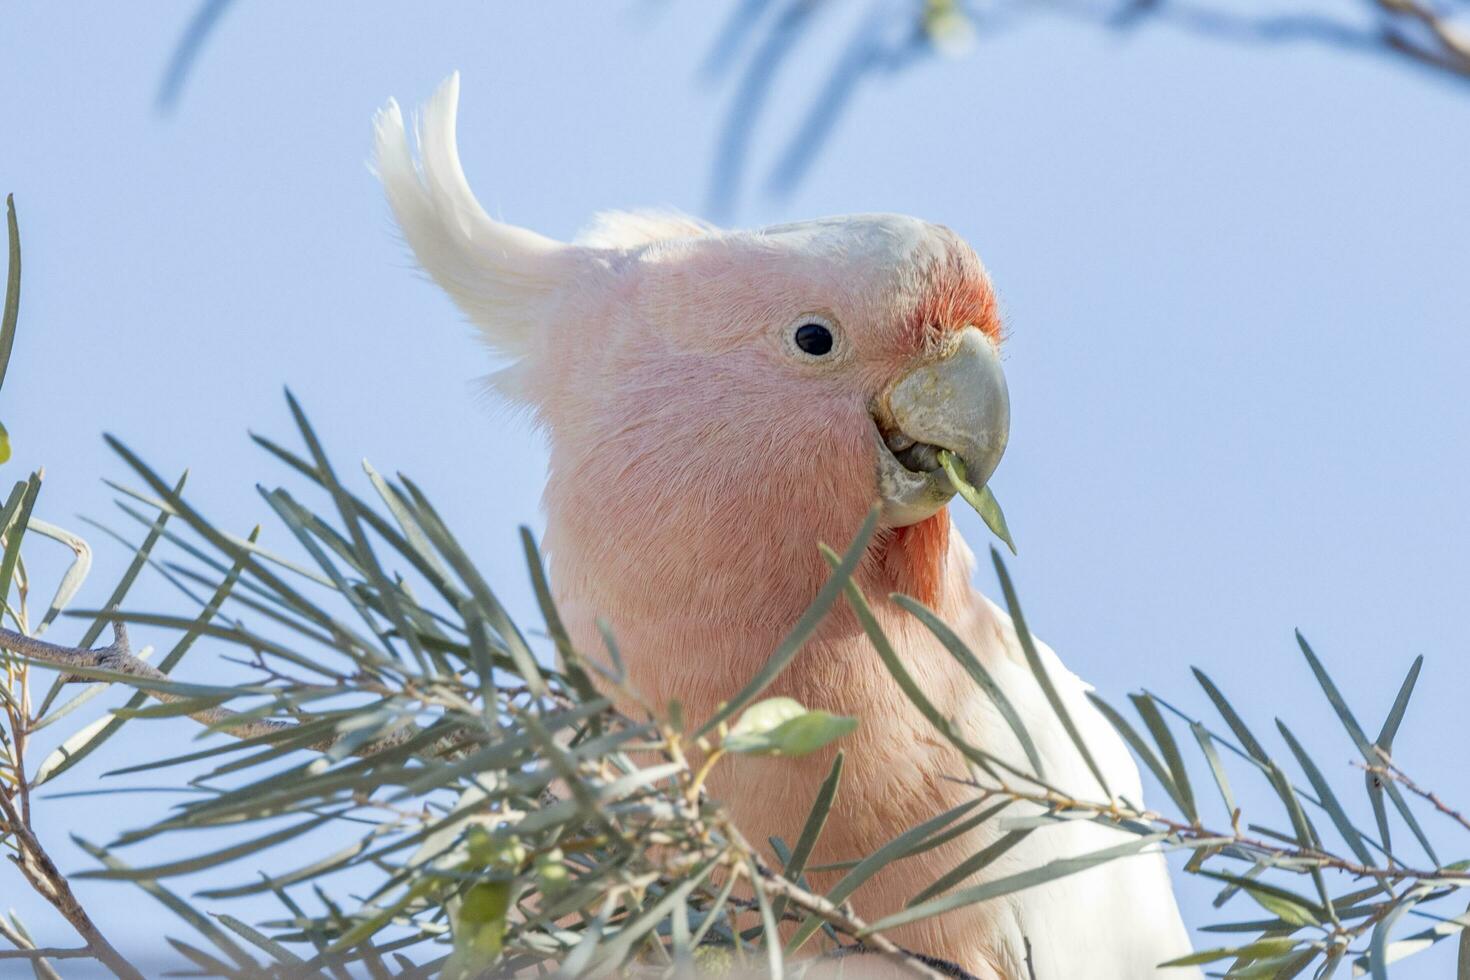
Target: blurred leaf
[11,313]
[200,862]
[1256,950]
[22,499]
[479,930]
[186,52]
[176,905]
[1378,945]
[781,726]
[1462,960]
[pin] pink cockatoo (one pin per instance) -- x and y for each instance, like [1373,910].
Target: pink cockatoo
[718,403]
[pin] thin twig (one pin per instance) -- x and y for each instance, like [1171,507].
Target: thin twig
[1390,771]
[46,953]
[117,658]
[48,881]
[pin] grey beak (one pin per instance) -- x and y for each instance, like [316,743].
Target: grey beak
[958,402]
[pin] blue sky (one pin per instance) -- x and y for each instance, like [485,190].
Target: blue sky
[1235,279]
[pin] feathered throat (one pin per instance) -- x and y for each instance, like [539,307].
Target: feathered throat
[915,558]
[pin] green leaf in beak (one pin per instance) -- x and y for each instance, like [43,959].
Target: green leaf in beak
[982,499]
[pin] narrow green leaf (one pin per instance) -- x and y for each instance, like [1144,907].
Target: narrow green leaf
[1165,739]
[899,846]
[771,934]
[1262,947]
[794,640]
[259,939]
[361,546]
[16,530]
[1038,668]
[1029,878]
[1288,911]
[571,659]
[1462,959]
[75,574]
[1369,753]
[972,865]
[176,905]
[72,751]
[616,950]
[119,592]
[982,499]
[413,534]
[901,676]
[1262,892]
[811,831]
[1327,798]
[201,959]
[189,865]
[1228,712]
[1217,768]
[1137,744]
[1400,704]
[967,659]
[12,290]
[321,866]
[515,644]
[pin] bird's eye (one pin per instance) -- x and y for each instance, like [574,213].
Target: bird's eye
[814,339]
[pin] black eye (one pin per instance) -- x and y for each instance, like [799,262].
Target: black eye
[814,339]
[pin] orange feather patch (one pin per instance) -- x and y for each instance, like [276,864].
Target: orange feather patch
[957,294]
[916,556]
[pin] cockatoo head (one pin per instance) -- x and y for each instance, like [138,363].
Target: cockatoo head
[710,391]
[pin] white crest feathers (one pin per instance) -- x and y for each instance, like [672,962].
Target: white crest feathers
[506,279]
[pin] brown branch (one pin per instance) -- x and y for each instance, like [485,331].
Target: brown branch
[1390,771]
[117,658]
[1204,836]
[1453,54]
[844,921]
[47,880]
[46,953]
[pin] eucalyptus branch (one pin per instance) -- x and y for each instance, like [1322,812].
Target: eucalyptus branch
[1452,50]
[47,953]
[1390,771]
[848,924]
[42,874]
[1197,835]
[117,658]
